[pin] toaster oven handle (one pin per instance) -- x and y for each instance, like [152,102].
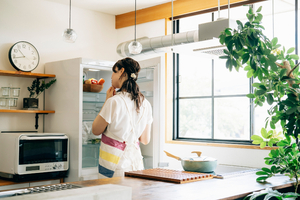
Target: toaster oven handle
[25,137]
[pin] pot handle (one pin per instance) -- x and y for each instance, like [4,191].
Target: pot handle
[197,152]
[172,156]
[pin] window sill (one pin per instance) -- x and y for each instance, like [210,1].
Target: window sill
[240,146]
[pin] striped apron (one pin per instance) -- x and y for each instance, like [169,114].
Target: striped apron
[111,151]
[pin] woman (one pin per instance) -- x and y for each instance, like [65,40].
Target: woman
[124,120]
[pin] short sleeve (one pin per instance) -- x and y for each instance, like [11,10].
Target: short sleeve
[149,115]
[108,110]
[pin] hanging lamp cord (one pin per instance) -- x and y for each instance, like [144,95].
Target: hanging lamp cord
[70,16]
[135,21]
[172,24]
[218,9]
[228,9]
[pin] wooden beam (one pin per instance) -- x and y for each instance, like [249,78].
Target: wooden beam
[210,10]
[162,11]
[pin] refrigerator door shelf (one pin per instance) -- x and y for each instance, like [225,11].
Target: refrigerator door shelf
[145,75]
[90,155]
[147,93]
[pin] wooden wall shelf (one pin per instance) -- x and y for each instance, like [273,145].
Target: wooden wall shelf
[27,111]
[25,74]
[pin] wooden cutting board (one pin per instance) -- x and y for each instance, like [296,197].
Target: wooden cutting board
[174,176]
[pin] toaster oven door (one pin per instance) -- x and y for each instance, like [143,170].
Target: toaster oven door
[36,151]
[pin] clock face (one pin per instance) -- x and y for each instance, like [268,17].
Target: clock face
[24,56]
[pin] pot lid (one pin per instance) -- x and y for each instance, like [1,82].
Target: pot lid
[201,158]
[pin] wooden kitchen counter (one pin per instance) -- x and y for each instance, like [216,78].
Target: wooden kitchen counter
[233,187]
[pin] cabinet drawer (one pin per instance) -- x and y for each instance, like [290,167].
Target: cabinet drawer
[14,186]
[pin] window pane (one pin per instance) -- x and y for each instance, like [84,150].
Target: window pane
[284,16]
[229,83]
[231,118]
[195,118]
[260,115]
[195,77]
[191,23]
[237,13]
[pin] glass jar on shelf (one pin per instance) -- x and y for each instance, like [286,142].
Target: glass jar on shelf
[12,103]
[3,103]
[5,91]
[15,92]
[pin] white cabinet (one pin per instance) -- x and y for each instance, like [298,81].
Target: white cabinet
[14,186]
[29,184]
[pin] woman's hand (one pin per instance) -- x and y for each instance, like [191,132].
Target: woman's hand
[110,92]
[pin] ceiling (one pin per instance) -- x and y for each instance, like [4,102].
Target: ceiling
[114,7]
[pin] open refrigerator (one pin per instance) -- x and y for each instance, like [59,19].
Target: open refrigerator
[76,110]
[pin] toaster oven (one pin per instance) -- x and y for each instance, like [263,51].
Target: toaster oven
[29,156]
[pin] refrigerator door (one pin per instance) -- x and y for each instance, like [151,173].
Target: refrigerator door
[151,83]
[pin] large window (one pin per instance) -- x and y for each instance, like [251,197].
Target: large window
[210,102]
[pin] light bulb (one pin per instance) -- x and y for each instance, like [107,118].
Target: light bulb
[135,47]
[69,35]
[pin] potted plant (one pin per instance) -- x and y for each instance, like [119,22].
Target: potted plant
[277,84]
[269,193]
[35,90]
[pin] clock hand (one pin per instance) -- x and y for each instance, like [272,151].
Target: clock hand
[20,57]
[21,52]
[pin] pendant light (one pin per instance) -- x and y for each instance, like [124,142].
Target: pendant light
[69,34]
[135,47]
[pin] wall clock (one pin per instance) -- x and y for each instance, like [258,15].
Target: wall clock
[23,56]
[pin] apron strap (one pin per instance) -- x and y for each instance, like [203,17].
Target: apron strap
[130,117]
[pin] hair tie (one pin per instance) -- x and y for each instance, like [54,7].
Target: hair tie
[133,75]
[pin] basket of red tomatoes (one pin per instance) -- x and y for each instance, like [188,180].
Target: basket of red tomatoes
[92,85]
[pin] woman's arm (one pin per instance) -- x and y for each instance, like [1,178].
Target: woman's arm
[99,124]
[145,137]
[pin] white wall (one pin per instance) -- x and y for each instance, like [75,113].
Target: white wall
[42,23]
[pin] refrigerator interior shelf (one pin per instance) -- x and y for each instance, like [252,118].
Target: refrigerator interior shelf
[90,111]
[94,97]
[94,93]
